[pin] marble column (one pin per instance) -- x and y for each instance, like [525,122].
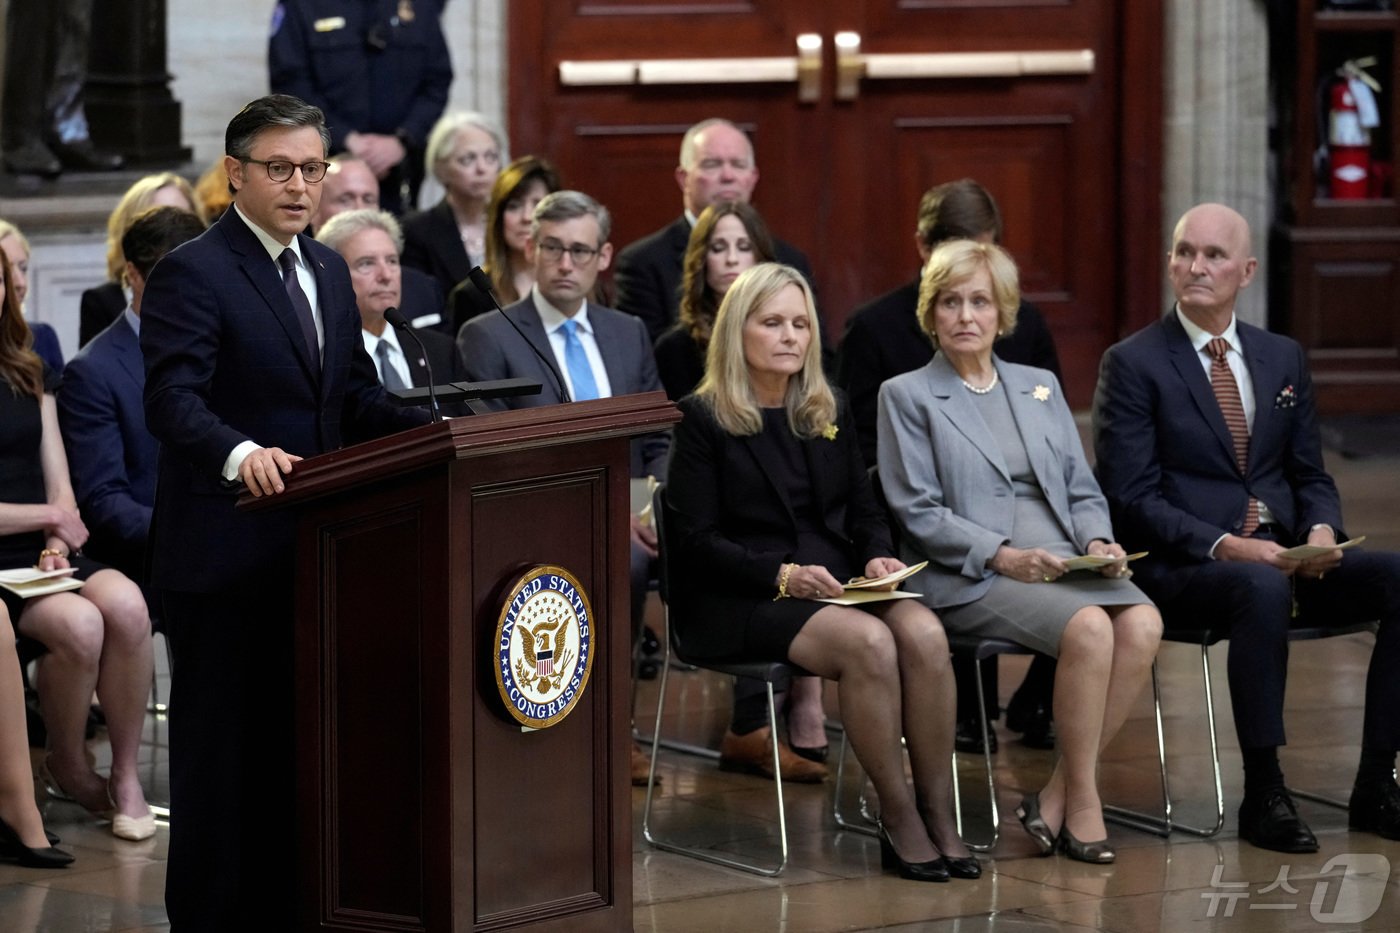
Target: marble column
[1217,122]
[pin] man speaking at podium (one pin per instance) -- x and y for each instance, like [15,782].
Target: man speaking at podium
[254,360]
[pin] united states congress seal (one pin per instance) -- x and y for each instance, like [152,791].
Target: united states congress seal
[544,646]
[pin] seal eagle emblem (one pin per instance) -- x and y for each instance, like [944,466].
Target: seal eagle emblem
[544,646]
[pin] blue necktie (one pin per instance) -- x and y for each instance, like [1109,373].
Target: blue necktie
[580,372]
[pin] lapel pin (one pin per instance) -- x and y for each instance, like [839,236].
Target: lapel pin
[829,432]
[1041,393]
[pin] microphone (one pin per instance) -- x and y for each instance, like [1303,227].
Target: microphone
[482,283]
[395,317]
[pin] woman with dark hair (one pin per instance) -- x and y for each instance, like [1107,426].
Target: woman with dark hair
[771,507]
[520,186]
[98,638]
[728,237]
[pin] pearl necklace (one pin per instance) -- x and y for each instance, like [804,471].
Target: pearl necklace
[983,390]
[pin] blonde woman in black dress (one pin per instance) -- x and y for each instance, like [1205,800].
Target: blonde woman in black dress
[772,509]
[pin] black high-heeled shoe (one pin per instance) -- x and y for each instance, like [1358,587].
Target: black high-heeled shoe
[932,870]
[13,849]
[1095,853]
[966,866]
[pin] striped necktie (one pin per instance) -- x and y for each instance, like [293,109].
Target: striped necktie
[1227,394]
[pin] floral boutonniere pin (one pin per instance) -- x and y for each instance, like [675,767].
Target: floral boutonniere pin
[1041,393]
[1288,398]
[829,432]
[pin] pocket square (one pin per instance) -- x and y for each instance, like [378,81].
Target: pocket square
[1288,398]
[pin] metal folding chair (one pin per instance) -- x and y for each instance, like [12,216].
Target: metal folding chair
[1165,823]
[775,677]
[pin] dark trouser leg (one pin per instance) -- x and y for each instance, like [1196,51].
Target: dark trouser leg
[965,675]
[1252,603]
[232,771]
[1366,587]
[750,705]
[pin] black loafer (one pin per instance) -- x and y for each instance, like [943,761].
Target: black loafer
[968,737]
[1271,821]
[1375,808]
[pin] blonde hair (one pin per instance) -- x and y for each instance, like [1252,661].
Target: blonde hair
[954,262]
[727,388]
[137,198]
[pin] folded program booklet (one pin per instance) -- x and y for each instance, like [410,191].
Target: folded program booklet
[29,582]
[1094,561]
[1309,551]
[856,597]
[888,581]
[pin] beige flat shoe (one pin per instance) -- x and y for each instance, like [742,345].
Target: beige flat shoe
[134,828]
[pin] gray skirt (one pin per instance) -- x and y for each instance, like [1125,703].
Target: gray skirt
[1035,614]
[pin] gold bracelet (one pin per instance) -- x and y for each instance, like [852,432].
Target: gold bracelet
[783,575]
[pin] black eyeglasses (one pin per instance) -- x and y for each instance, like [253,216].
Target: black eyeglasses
[582,255]
[281,170]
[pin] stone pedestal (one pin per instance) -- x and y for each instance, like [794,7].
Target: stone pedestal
[129,105]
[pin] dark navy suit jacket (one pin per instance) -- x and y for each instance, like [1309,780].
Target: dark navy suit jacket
[1166,460]
[226,362]
[490,348]
[111,455]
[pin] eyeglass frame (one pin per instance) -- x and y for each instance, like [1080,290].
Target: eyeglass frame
[298,166]
[553,251]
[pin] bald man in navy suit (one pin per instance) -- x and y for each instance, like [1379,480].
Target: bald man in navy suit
[1207,445]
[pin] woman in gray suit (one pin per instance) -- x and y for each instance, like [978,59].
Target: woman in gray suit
[984,470]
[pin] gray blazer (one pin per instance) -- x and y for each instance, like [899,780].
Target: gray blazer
[489,348]
[948,486]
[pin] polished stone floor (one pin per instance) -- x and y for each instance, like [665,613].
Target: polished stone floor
[833,881]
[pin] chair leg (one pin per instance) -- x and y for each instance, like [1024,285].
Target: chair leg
[710,855]
[837,811]
[991,778]
[1136,819]
[1165,824]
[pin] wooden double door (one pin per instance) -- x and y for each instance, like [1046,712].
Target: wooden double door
[856,107]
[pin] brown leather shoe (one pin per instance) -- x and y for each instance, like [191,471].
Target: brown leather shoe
[641,767]
[753,754]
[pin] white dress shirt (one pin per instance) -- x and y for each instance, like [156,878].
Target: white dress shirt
[553,320]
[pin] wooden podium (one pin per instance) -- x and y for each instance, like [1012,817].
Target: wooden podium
[421,804]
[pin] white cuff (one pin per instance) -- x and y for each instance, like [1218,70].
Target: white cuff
[236,458]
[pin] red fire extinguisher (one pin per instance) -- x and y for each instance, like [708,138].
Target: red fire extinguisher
[1352,113]
[1349,144]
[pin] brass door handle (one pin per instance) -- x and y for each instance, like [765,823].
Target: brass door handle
[804,69]
[851,65]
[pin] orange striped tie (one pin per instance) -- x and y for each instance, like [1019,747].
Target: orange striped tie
[1227,394]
